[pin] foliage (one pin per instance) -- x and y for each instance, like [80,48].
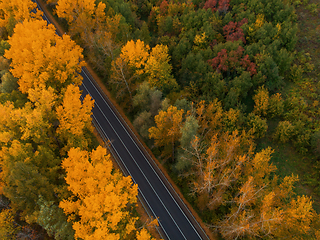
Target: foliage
[257,125]
[82,15]
[93,29]
[74,115]
[228,175]
[27,174]
[54,221]
[39,56]
[158,69]
[129,66]
[8,228]
[144,235]
[167,129]
[188,133]
[16,11]
[135,54]
[34,130]
[101,199]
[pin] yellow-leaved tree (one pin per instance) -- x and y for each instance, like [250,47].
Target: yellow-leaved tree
[135,54]
[82,15]
[158,69]
[101,197]
[15,11]
[8,228]
[74,116]
[167,129]
[97,32]
[129,66]
[40,56]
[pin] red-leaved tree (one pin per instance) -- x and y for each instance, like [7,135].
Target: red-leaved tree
[223,6]
[211,4]
[231,61]
[163,8]
[214,5]
[233,31]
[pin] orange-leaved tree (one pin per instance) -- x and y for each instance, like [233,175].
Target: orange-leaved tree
[213,118]
[167,129]
[15,11]
[101,197]
[74,116]
[217,167]
[8,227]
[82,15]
[40,56]
[230,177]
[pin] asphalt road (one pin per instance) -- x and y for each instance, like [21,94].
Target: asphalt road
[155,192]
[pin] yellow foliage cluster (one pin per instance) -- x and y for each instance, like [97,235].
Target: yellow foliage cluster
[102,196]
[40,57]
[73,114]
[17,11]
[255,26]
[261,100]
[212,117]
[65,8]
[168,125]
[200,40]
[82,15]
[259,21]
[154,65]
[159,70]
[8,230]
[135,54]
[266,105]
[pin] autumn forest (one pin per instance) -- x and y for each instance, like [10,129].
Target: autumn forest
[221,91]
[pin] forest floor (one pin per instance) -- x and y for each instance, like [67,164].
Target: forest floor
[285,157]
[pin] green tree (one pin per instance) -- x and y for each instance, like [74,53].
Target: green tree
[147,99]
[284,131]
[142,122]
[188,132]
[257,125]
[28,174]
[54,221]
[8,83]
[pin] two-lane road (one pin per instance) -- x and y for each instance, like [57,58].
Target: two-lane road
[155,192]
